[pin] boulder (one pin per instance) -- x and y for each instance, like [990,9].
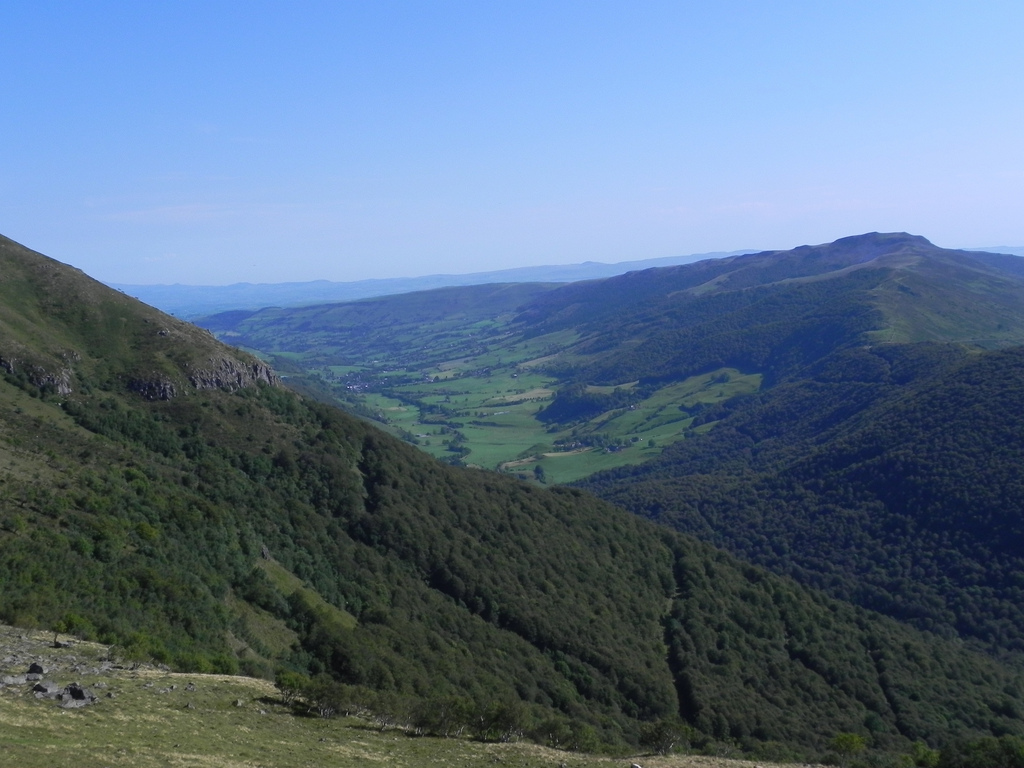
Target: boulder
[74,696]
[46,689]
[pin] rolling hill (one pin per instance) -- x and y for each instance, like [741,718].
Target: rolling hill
[889,477]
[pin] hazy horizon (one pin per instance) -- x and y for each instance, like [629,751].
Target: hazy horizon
[213,144]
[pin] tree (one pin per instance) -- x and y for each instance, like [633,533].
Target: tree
[923,756]
[501,721]
[290,684]
[846,745]
[662,736]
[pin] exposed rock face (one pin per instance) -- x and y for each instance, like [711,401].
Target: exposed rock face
[222,373]
[153,389]
[58,381]
[226,373]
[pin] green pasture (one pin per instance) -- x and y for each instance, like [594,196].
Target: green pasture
[481,387]
[495,419]
[492,416]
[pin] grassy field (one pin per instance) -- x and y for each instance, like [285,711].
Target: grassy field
[492,414]
[151,717]
[467,390]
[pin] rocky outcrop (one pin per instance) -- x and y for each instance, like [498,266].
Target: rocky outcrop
[58,381]
[74,696]
[46,689]
[222,373]
[154,389]
[228,373]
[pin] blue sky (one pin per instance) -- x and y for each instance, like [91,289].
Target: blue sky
[219,142]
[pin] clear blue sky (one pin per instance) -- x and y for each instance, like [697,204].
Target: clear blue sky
[217,142]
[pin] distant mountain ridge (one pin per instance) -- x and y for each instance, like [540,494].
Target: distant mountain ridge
[189,301]
[1011,250]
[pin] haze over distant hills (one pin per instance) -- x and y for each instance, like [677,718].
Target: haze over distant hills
[188,301]
[1002,249]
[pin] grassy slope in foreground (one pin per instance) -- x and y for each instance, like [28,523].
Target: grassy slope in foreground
[226,721]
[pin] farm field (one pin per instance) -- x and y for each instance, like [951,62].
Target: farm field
[468,390]
[489,419]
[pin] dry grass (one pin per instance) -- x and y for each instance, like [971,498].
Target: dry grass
[226,722]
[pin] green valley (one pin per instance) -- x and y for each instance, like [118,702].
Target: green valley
[467,390]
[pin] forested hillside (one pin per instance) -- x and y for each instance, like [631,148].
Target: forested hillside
[164,493]
[890,477]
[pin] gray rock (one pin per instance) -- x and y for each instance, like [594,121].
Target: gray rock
[15,680]
[46,689]
[74,696]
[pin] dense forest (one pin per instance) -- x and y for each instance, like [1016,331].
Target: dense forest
[890,478]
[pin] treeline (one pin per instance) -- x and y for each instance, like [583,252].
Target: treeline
[577,403]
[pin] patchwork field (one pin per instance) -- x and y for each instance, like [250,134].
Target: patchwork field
[467,384]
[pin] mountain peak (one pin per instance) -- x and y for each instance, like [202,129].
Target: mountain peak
[888,239]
